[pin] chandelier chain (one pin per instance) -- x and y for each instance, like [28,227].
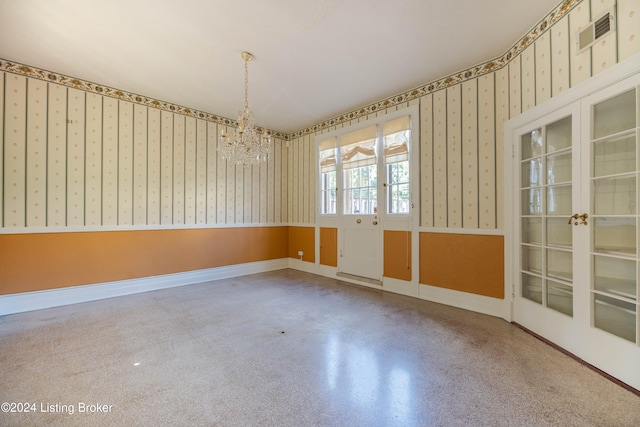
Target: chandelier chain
[246,84]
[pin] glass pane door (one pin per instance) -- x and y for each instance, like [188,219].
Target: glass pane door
[546,194]
[614,198]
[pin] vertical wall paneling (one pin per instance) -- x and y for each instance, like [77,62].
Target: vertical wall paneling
[178,169]
[311,170]
[426,161]
[628,28]
[190,171]
[221,191]
[154,161]
[15,151]
[271,184]
[109,161]
[93,162]
[75,157]
[251,193]
[230,191]
[440,159]
[454,157]
[140,156]
[277,182]
[604,51]
[166,167]
[36,160]
[470,154]
[486,152]
[580,63]
[263,191]
[305,180]
[253,196]
[239,201]
[543,67]
[293,179]
[3,77]
[285,181]
[57,156]
[125,163]
[212,173]
[561,48]
[502,108]
[528,78]
[515,87]
[202,196]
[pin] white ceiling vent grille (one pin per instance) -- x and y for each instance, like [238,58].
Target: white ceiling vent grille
[595,30]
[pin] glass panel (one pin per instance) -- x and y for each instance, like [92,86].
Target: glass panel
[560,297]
[614,156]
[615,316]
[559,135]
[532,259]
[559,200]
[615,235]
[360,195]
[560,264]
[615,276]
[559,233]
[615,115]
[559,168]
[532,201]
[531,144]
[532,288]
[615,196]
[532,230]
[532,172]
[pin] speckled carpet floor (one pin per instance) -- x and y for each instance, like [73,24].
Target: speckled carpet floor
[287,348]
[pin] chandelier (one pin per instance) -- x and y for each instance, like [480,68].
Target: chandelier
[246,144]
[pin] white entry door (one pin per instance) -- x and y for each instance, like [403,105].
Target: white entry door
[361,243]
[361,246]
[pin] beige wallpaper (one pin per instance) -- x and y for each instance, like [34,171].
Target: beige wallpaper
[74,159]
[462,116]
[80,155]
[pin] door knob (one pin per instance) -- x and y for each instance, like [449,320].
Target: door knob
[375,222]
[577,217]
[358,221]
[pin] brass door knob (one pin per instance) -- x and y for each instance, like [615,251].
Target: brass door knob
[358,221]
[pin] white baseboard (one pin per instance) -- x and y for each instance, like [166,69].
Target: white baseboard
[478,303]
[28,301]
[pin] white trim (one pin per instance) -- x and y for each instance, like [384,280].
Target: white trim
[28,301]
[401,287]
[82,229]
[478,303]
[478,231]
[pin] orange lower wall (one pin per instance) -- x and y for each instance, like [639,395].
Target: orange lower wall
[329,246]
[32,262]
[463,262]
[302,239]
[397,254]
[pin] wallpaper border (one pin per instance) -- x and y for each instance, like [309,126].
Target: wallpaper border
[456,78]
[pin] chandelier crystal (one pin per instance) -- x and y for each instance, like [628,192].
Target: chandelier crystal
[245,144]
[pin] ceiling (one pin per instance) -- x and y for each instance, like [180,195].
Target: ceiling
[314,59]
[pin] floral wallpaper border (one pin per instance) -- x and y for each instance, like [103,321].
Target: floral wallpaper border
[558,13]
[453,79]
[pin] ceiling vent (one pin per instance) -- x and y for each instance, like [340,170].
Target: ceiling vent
[595,30]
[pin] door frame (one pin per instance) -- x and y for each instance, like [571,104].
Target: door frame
[605,78]
[396,222]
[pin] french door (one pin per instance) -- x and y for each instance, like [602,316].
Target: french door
[365,187]
[576,228]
